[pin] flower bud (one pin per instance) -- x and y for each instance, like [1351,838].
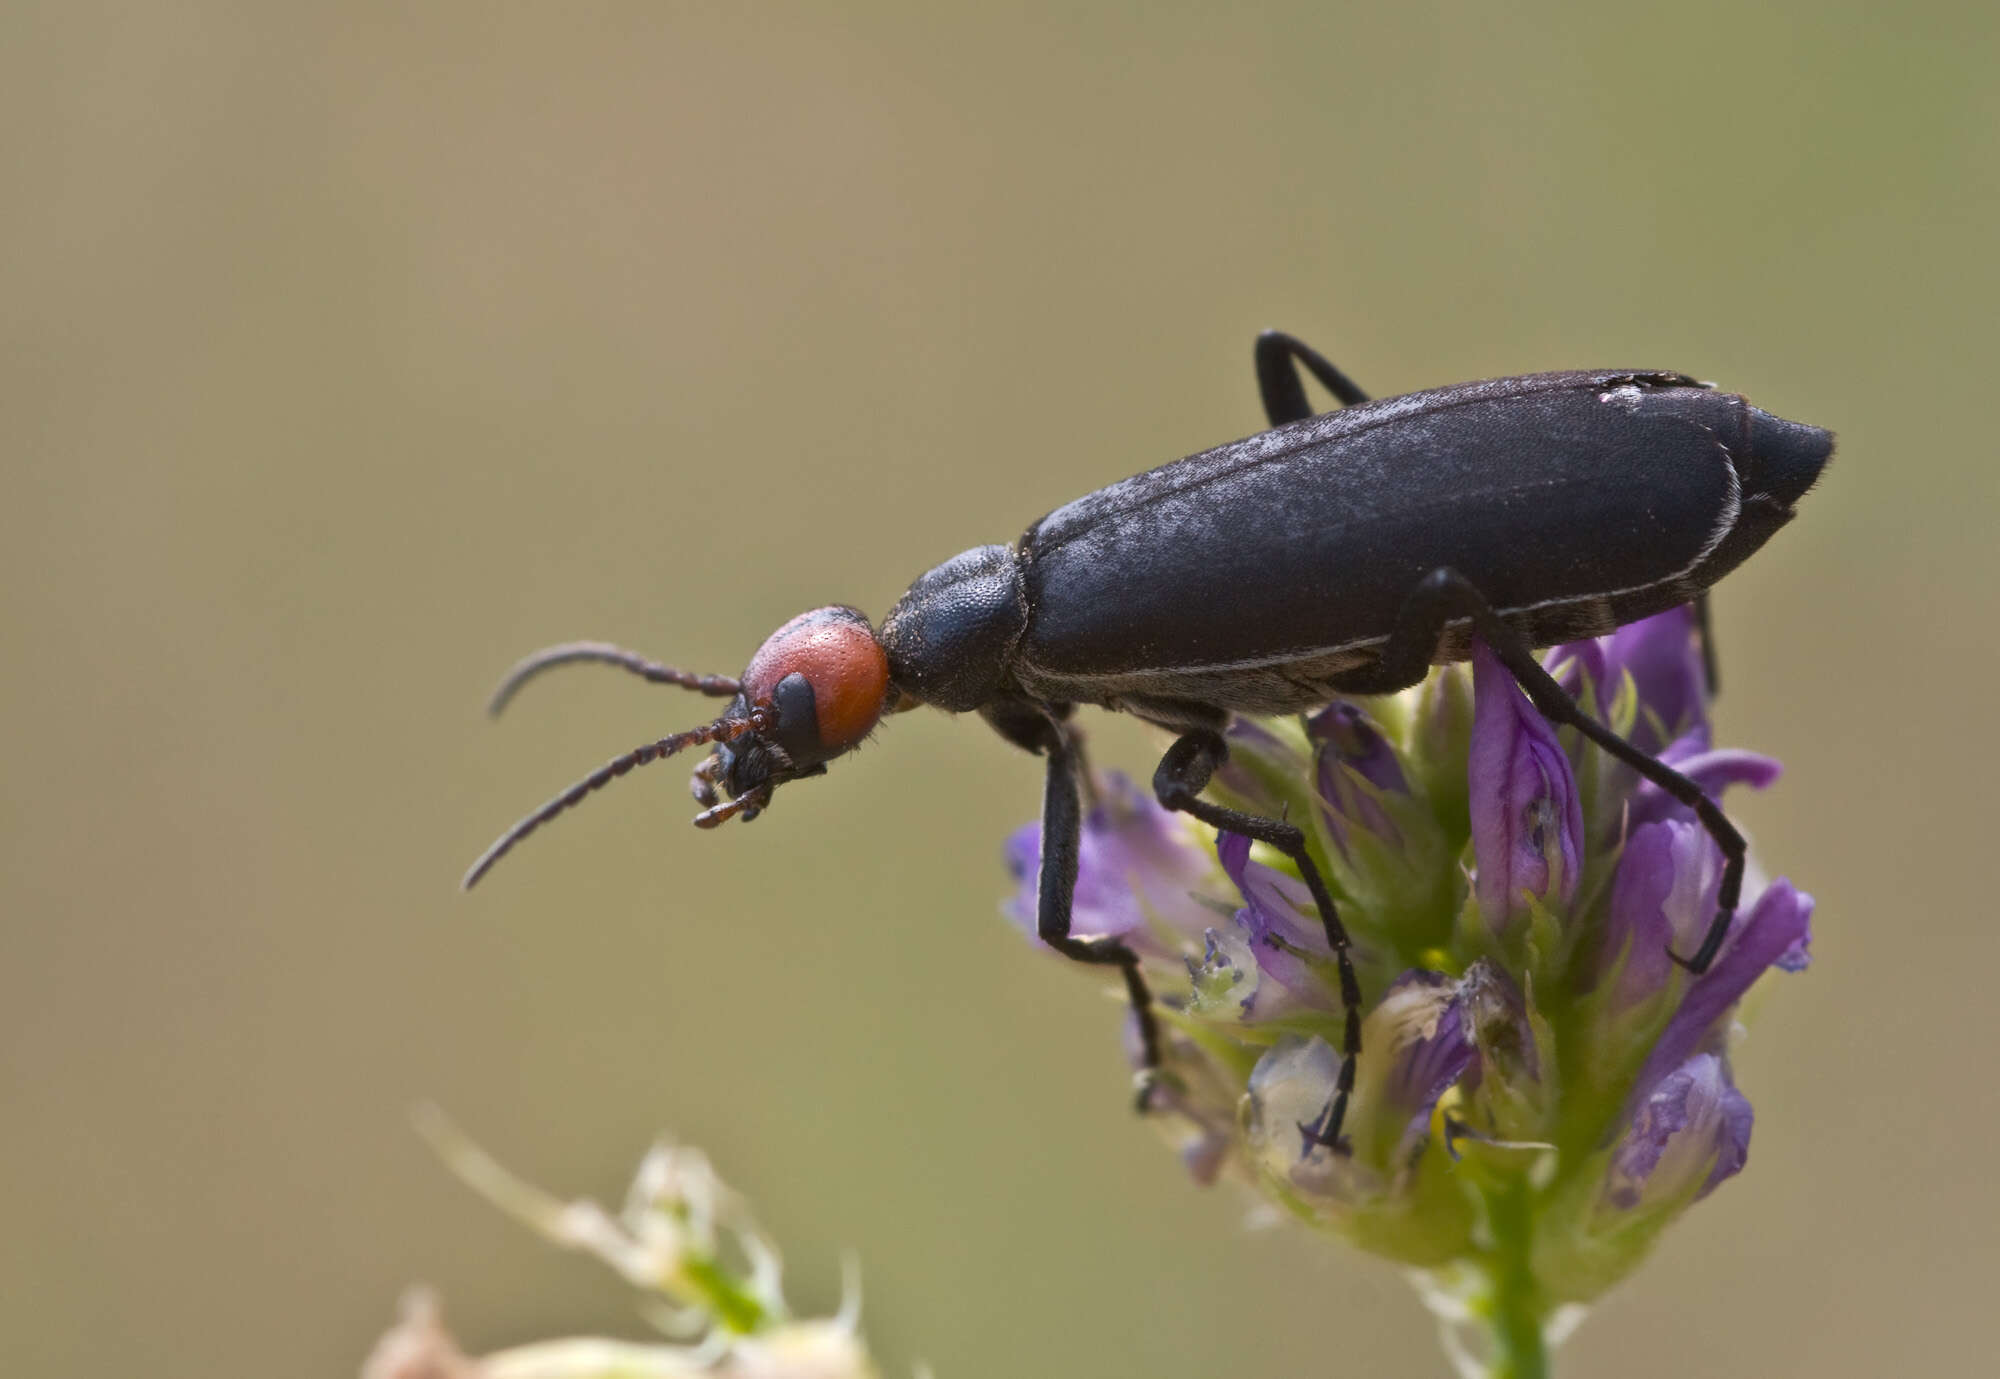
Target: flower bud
[1439,739]
[1527,826]
[1354,766]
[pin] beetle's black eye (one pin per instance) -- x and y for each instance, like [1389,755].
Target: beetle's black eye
[797,733]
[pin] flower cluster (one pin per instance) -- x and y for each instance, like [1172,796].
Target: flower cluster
[1541,1088]
[705,1273]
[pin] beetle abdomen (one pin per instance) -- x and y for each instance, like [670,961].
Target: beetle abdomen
[1573,501]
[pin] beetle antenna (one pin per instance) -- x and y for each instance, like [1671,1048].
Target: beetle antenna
[568,653]
[722,730]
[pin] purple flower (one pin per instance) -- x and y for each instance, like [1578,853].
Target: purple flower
[1579,667]
[1140,874]
[1258,757]
[1425,1049]
[1353,765]
[1662,900]
[1714,770]
[1280,935]
[1777,929]
[1243,975]
[1690,1132]
[1415,1049]
[1662,654]
[1527,824]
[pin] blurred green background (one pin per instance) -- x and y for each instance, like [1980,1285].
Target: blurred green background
[352,350]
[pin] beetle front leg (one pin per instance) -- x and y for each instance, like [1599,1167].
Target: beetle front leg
[1184,772]
[1446,596]
[1062,837]
[1278,358]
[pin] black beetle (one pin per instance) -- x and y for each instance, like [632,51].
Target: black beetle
[1337,554]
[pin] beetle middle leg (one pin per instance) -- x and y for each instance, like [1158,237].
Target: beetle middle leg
[1043,729]
[1183,773]
[1445,596]
[1278,358]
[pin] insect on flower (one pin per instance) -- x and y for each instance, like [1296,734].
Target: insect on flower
[1336,554]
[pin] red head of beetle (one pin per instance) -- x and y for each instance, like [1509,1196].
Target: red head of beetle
[815,689]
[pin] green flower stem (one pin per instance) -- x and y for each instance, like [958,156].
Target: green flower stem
[1517,1313]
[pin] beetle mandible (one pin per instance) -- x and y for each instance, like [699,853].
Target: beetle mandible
[1343,553]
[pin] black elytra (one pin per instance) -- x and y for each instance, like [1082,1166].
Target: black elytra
[1341,553]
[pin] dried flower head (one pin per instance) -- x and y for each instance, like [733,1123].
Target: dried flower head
[705,1274]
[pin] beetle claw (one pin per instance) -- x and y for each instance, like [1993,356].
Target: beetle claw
[1315,1133]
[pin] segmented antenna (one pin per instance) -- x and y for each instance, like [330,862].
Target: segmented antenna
[567,653]
[722,730]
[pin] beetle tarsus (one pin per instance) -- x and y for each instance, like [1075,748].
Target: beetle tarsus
[1313,1133]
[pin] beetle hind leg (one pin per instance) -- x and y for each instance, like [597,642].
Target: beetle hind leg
[1184,771]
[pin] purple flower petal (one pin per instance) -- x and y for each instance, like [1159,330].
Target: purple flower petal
[1579,668]
[1777,929]
[1662,898]
[1527,823]
[1355,740]
[1663,656]
[1423,1016]
[1279,906]
[1713,769]
[1694,1122]
[1137,868]
[1350,746]
[1282,929]
[1244,977]
[1250,741]
[1798,957]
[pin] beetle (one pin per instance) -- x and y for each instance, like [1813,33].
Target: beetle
[1333,554]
